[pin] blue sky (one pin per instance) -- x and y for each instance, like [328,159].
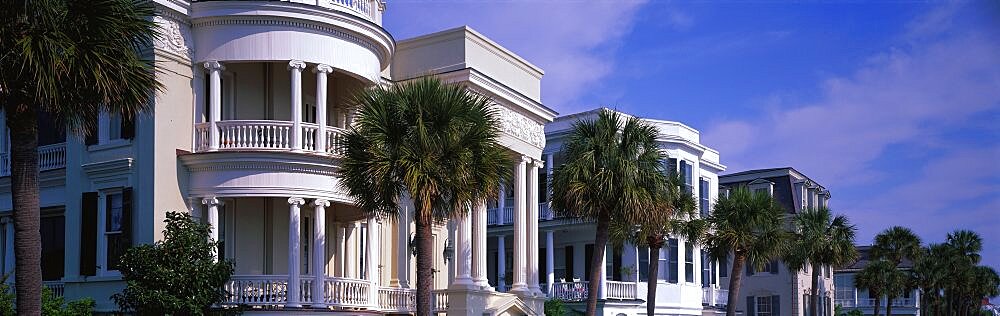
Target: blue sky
[893,106]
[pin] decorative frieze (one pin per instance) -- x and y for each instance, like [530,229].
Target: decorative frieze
[171,39]
[521,127]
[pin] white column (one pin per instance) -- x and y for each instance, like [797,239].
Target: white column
[520,285]
[8,255]
[550,259]
[479,246]
[213,218]
[463,253]
[532,222]
[373,249]
[351,253]
[214,102]
[296,66]
[341,241]
[402,250]
[602,288]
[319,251]
[501,262]
[294,230]
[321,75]
[501,203]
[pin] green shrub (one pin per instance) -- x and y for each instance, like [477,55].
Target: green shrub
[555,307]
[52,305]
[179,275]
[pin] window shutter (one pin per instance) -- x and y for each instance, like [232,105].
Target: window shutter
[774,267]
[672,165]
[750,306]
[750,268]
[127,217]
[128,127]
[90,139]
[88,235]
[776,305]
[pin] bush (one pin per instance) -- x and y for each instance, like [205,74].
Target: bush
[555,307]
[52,305]
[178,276]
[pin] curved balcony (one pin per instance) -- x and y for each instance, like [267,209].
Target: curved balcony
[266,135]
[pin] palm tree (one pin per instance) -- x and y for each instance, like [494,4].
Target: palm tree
[433,143]
[613,169]
[679,206]
[930,274]
[877,277]
[895,244]
[820,239]
[69,60]
[750,226]
[959,292]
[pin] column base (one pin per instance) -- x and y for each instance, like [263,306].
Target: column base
[463,284]
[520,290]
[536,290]
[483,284]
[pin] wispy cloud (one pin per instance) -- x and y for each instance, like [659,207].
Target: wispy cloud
[575,42]
[939,79]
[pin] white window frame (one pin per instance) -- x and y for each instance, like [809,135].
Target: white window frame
[761,302]
[102,234]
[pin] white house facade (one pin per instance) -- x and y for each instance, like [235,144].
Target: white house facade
[243,137]
[688,282]
[849,297]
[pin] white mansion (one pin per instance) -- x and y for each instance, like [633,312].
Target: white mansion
[243,138]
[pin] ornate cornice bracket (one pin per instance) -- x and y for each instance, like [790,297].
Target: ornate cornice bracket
[172,38]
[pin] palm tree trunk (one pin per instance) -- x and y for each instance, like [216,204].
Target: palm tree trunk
[24,190]
[600,243]
[888,305]
[425,258]
[814,292]
[734,284]
[878,303]
[655,243]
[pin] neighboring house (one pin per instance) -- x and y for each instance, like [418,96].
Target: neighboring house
[243,137]
[686,285]
[773,290]
[850,298]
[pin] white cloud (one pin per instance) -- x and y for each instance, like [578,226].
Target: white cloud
[573,41]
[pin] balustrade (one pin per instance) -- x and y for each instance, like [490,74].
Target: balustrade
[544,212]
[621,290]
[491,216]
[263,290]
[58,288]
[392,299]
[347,292]
[570,291]
[439,301]
[711,296]
[49,157]
[264,135]
[508,215]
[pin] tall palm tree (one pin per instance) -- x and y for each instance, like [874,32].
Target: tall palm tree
[613,169]
[433,143]
[750,226]
[930,274]
[959,292]
[677,210]
[877,277]
[820,239]
[895,244]
[69,60]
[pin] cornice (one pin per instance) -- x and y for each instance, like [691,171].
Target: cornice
[107,168]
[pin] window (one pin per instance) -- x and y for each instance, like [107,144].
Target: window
[643,264]
[724,267]
[764,306]
[543,182]
[707,275]
[703,194]
[760,190]
[688,262]
[672,263]
[685,172]
[771,267]
[844,287]
[53,231]
[114,234]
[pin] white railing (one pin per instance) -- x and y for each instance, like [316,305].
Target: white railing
[508,215]
[844,302]
[58,288]
[544,212]
[256,290]
[347,292]
[711,296]
[264,135]
[49,157]
[870,302]
[491,216]
[569,291]
[621,290]
[392,299]
[439,301]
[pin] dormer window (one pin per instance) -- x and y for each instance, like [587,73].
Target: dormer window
[761,185]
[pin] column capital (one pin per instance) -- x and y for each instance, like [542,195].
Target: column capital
[296,64]
[296,201]
[321,202]
[537,163]
[525,159]
[212,201]
[323,69]
[213,65]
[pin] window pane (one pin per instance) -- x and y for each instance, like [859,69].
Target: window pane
[643,264]
[688,262]
[113,220]
[672,266]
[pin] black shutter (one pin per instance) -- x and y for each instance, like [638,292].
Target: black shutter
[88,235]
[90,139]
[616,265]
[128,127]
[127,218]
[588,254]
[543,277]
[776,305]
[750,306]
[568,259]
[671,166]
[750,268]
[774,267]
